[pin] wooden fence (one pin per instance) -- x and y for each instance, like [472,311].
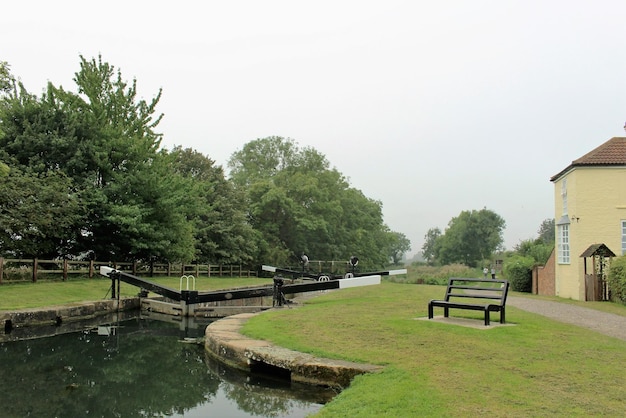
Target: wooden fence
[14,270]
[321,266]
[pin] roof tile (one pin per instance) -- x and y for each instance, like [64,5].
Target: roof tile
[611,152]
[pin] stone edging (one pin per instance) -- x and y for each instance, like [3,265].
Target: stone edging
[56,315]
[224,342]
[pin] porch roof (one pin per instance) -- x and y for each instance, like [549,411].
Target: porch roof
[598,249]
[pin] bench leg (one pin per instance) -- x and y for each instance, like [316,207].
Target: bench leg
[430,311]
[445,312]
[502,316]
[487,317]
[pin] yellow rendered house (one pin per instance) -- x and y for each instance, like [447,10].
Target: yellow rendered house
[590,218]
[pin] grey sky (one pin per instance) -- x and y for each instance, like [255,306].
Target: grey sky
[430,107]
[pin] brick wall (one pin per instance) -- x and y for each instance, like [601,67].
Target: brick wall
[544,278]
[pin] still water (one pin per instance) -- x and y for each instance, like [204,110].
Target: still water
[137,368]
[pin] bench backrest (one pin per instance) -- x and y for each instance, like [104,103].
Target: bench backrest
[475,290]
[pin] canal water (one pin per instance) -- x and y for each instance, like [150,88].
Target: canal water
[137,367]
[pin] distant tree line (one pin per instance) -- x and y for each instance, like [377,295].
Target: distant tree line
[83,175]
[470,238]
[474,238]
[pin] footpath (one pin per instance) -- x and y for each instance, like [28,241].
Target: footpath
[602,322]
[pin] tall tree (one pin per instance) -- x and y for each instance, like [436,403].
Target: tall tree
[149,214]
[37,214]
[471,237]
[539,249]
[7,81]
[399,244]
[546,231]
[7,84]
[137,197]
[40,210]
[222,233]
[299,204]
[429,249]
[262,159]
[104,139]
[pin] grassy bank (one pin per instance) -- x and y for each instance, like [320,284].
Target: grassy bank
[538,367]
[51,293]
[439,275]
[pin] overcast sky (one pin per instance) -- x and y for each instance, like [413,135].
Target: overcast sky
[431,107]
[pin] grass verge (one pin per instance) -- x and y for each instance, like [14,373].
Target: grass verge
[539,367]
[51,293]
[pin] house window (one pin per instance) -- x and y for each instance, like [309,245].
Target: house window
[563,244]
[564,196]
[623,237]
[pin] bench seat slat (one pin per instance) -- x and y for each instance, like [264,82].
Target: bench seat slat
[492,289]
[443,303]
[469,295]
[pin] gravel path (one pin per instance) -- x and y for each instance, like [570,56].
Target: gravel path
[602,322]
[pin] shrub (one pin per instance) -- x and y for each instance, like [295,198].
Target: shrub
[518,271]
[536,249]
[617,279]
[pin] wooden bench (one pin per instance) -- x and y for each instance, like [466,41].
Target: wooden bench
[485,295]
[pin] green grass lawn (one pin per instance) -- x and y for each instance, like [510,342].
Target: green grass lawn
[51,293]
[536,368]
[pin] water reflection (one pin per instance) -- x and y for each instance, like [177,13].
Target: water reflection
[137,368]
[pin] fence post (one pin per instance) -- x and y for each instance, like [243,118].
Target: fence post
[64,269]
[91,269]
[34,270]
[1,268]
[134,267]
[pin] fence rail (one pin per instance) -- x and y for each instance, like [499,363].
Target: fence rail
[326,266]
[15,270]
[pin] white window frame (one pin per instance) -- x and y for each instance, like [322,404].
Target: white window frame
[564,196]
[563,244]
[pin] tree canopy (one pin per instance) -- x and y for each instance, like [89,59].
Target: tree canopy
[429,248]
[398,246]
[83,175]
[471,237]
[299,204]
[546,231]
[100,147]
[7,81]
[540,248]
